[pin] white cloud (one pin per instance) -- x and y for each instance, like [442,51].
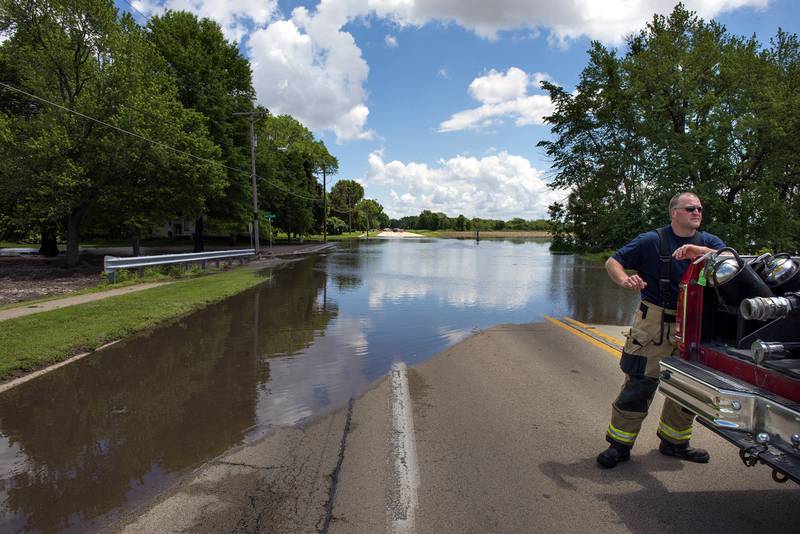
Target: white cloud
[496,87]
[496,186]
[391,41]
[608,21]
[235,17]
[308,67]
[502,95]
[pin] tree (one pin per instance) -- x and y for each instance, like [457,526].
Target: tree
[287,162]
[344,197]
[215,79]
[688,107]
[371,214]
[66,168]
[336,225]
[58,51]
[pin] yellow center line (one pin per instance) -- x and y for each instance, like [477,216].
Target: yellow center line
[594,331]
[590,339]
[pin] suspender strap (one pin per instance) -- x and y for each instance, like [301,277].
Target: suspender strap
[665,267]
[665,263]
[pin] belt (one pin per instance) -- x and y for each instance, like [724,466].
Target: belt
[668,317]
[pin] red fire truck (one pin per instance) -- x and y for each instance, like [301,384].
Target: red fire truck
[739,362]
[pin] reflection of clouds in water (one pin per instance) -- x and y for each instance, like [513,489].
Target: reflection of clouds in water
[327,373]
[394,290]
[460,275]
[453,336]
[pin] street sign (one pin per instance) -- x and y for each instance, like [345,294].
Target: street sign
[268,215]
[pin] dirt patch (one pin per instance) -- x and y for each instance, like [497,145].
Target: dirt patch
[33,277]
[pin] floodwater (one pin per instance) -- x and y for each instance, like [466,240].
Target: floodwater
[87,441]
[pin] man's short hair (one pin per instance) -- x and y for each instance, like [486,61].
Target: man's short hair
[673,203]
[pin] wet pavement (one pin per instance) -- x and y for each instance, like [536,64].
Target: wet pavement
[102,436]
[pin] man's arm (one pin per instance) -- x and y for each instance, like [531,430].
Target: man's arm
[617,273]
[689,252]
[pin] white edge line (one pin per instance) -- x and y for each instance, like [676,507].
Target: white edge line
[405,451]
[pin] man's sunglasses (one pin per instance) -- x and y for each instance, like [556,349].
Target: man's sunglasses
[690,209]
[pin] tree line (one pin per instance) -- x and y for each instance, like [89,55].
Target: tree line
[685,106]
[428,220]
[111,128]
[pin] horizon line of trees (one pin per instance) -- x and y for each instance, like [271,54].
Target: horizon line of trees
[76,75]
[428,220]
[686,106]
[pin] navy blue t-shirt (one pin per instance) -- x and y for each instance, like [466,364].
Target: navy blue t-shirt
[641,254]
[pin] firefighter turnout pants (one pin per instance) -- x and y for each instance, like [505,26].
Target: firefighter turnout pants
[644,349]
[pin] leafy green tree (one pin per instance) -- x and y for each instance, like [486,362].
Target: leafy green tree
[370,214]
[287,163]
[336,225]
[68,169]
[215,79]
[344,197]
[409,222]
[427,220]
[687,107]
[153,183]
[59,51]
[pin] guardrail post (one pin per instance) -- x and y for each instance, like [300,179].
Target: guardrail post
[141,272]
[112,277]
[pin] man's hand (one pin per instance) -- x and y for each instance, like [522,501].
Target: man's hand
[617,273]
[688,252]
[634,282]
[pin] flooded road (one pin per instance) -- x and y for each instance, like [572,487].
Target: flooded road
[87,441]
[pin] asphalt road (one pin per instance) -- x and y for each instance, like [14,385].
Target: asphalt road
[497,434]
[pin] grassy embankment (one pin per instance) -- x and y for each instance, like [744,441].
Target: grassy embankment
[599,257]
[41,339]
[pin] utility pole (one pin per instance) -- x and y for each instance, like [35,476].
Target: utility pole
[251,115]
[324,205]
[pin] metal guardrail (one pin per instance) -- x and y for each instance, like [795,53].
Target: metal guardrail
[111,264]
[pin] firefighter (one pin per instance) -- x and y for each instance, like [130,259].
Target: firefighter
[659,257]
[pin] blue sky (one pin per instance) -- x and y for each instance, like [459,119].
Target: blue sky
[434,104]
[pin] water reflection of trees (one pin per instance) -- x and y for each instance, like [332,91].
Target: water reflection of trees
[588,292]
[346,265]
[295,311]
[93,433]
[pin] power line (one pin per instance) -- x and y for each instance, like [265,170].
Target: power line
[134,8]
[158,143]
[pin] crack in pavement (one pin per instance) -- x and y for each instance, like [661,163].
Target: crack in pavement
[335,474]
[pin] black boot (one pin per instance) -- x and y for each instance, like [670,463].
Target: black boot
[684,452]
[613,455]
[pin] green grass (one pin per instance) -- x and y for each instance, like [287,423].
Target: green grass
[15,244]
[41,339]
[125,278]
[599,257]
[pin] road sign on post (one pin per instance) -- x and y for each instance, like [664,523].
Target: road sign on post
[268,216]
